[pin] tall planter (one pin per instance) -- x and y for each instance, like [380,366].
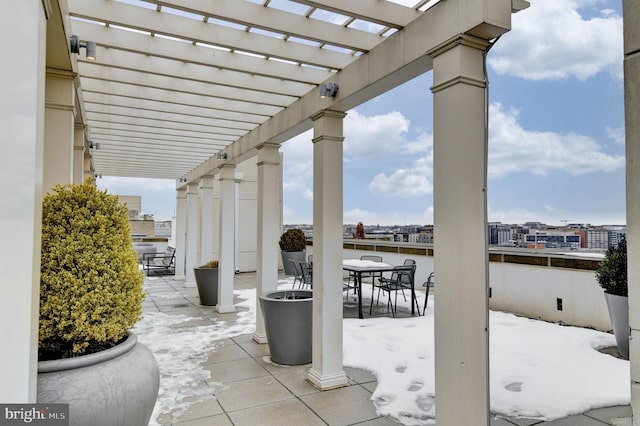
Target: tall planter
[207,283]
[117,386]
[288,323]
[296,256]
[619,314]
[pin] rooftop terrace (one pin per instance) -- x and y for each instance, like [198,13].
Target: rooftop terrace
[213,373]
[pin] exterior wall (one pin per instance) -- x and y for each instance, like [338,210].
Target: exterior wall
[134,205]
[142,228]
[533,291]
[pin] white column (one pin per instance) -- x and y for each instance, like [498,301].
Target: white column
[193,234]
[78,155]
[326,371]
[59,128]
[460,233]
[268,228]
[22,126]
[631,14]
[208,227]
[181,233]
[227,246]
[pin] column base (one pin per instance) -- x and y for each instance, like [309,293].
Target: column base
[260,338]
[188,284]
[331,381]
[180,277]
[225,309]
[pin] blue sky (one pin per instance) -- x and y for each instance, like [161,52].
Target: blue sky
[556,133]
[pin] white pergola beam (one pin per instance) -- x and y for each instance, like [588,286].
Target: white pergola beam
[156,105]
[227,84]
[187,120]
[278,21]
[110,37]
[383,13]
[193,129]
[393,62]
[172,96]
[154,131]
[217,35]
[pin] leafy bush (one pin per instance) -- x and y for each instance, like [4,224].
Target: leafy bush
[90,284]
[293,240]
[210,264]
[612,272]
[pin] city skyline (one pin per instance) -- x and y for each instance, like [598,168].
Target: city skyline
[556,133]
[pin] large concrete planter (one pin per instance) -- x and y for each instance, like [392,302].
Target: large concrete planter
[296,256]
[207,283]
[287,318]
[619,314]
[115,387]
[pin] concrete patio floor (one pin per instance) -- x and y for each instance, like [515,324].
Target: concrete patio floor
[251,391]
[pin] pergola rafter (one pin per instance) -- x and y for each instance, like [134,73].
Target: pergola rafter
[203,75]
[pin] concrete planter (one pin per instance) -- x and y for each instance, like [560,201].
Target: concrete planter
[296,256]
[619,314]
[287,318]
[117,386]
[207,283]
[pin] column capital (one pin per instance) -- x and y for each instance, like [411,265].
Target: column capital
[329,113]
[268,154]
[192,188]
[459,40]
[181,192]
[227,172]
[206,182]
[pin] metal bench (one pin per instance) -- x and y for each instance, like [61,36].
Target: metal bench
[161,262]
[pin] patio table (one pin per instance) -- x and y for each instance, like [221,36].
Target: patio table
[358,267]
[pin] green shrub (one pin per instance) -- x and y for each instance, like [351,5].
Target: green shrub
[612,272]
[90,284]
[293,240]
[210,264]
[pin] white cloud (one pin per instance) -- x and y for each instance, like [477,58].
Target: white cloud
[514,149]
[416,180]
[366,138]
[375,136]
[551,40]
[617,134]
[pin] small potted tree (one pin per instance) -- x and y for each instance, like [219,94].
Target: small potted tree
[292,246]
[612,277]
[207,282]
[90,297]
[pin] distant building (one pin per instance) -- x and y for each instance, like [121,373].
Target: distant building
[499,234]
[597,239]
[553,239]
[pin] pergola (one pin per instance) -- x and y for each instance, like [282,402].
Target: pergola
[190,89]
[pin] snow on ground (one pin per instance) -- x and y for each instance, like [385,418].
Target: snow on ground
[180,351]
[538,369]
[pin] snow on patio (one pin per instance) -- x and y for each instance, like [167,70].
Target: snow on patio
[538,369]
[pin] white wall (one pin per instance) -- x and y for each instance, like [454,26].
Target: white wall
[526,289]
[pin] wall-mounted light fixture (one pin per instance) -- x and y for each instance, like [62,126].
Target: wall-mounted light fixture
[221,155]
[89,46]
[182,180]
[94,145]
[97,175]
[328,90]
